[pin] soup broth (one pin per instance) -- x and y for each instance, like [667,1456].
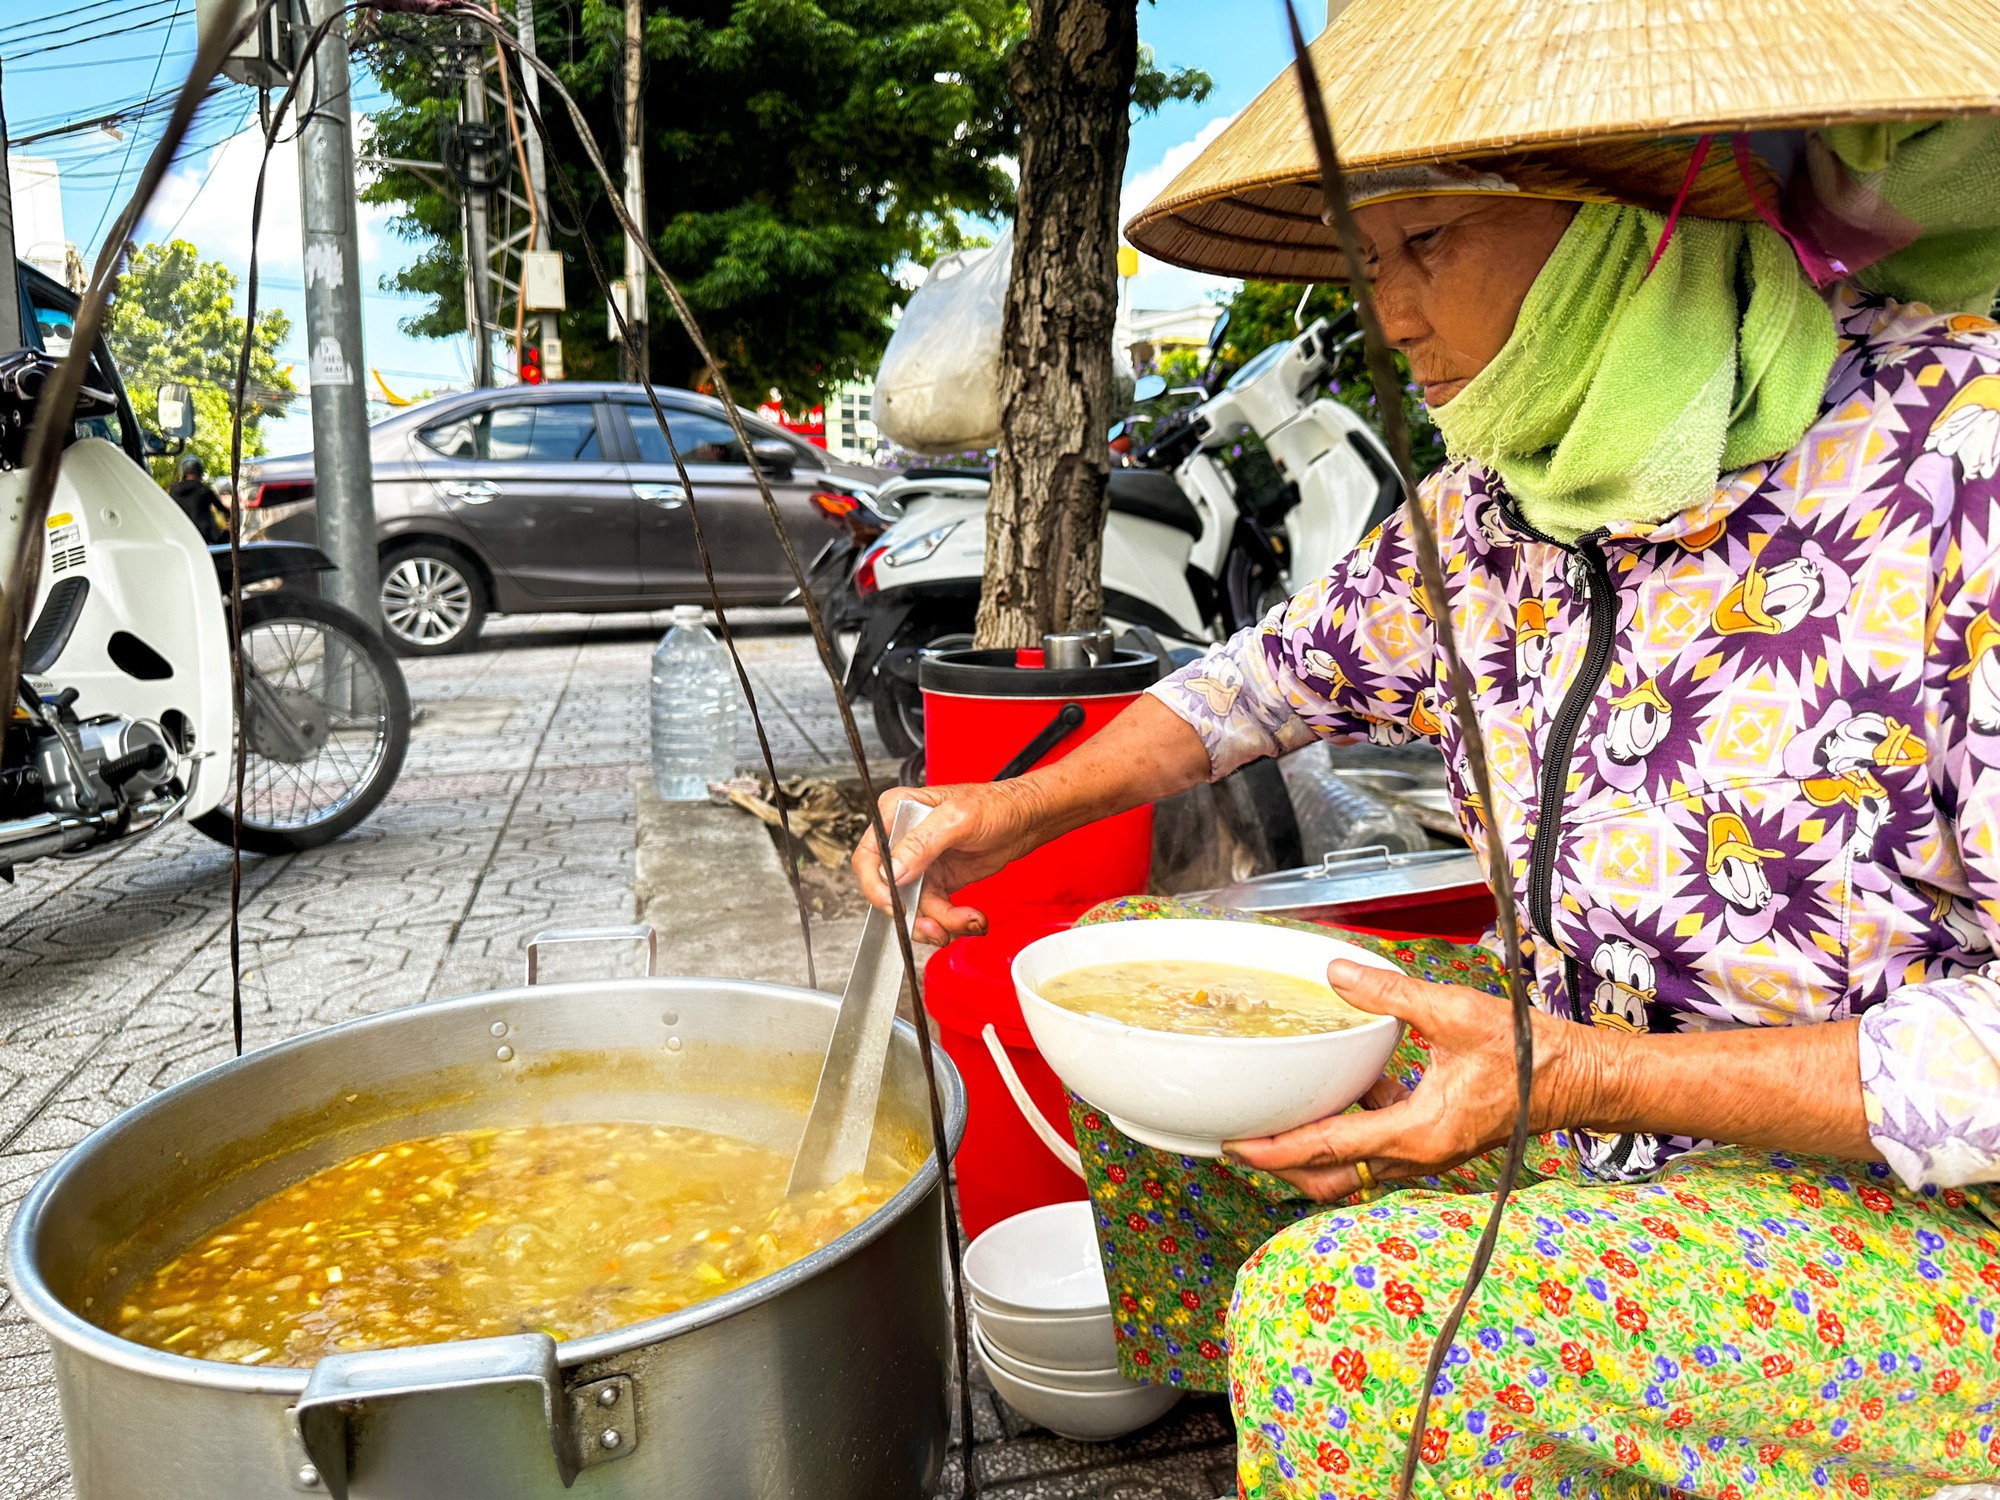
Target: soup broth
[563,1229]
[1199,998]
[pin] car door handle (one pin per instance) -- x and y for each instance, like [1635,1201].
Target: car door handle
[666,496]
[473,492]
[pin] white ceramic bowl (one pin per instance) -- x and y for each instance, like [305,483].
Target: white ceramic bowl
[1189,1094]
[1040,1262]
[1088,1416]
[1107,1379]
[1079,1341]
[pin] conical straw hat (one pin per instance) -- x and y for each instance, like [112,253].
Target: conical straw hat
[1588,99]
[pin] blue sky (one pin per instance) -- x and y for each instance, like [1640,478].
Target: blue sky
[50,82]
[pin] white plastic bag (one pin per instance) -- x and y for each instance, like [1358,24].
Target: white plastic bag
[938,390]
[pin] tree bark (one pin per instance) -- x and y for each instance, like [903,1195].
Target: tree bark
[1072,79]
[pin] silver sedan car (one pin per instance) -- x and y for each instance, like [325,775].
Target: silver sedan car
[565,497]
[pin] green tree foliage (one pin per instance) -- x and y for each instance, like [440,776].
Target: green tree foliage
[797,152]
[1262,313]
[175,319]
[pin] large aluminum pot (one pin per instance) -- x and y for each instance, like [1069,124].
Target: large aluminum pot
[825,1380]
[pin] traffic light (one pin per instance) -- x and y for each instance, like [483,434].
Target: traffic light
[531,366]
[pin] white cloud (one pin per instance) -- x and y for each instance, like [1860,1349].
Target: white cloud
[207,199]
[1159,285]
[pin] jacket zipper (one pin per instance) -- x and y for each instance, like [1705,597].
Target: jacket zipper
[1561,749]
[1555,772]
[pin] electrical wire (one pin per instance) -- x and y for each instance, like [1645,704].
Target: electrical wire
[33,31]
[124,115]
[85,41]
[71,67]
[166,44]
[35,25]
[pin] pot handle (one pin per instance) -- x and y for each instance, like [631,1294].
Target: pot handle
[636,932]
[1047,1133]
[353,1402]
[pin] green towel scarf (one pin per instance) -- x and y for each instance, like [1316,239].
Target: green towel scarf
[1623,396]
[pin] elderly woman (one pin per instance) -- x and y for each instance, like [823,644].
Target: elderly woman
[1747,784]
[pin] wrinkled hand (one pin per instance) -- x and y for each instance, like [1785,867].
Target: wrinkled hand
[973,831]
[1463,1105]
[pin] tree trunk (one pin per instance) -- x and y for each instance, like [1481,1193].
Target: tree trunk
[1072,79]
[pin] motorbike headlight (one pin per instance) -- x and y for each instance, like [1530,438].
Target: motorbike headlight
[918,547]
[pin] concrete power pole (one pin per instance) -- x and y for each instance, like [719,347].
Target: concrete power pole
[478,267]
[343,478]
[637,355]
[538,185]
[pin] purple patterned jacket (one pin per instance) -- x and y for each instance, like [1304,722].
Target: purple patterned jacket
[1746,763]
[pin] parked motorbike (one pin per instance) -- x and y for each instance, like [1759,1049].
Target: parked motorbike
[859,516]
[1195,546]
[124,715]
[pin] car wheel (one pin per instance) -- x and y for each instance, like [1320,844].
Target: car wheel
[433,601]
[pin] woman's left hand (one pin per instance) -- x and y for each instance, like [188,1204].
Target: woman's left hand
[1463,1105]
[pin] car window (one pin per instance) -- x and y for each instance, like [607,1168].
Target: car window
[52,326]
[698,437]
[51,333]
[560,432]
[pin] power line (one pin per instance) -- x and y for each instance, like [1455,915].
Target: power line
[70,67]
[116,31]
[138,110]
[35,27]
[152,83]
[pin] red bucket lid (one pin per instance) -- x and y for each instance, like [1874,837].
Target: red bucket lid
[970,984]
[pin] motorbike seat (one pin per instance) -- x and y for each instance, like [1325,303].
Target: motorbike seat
[1153,496]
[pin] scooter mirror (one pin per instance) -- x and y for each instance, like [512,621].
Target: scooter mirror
[1217,330]
[176,410]
[1149,387]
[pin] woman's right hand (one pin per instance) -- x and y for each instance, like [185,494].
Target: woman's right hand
[1146,753]
[973,831]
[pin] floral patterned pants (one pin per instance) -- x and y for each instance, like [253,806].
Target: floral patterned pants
[1750,1326]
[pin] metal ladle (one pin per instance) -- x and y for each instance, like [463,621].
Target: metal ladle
[842,1119]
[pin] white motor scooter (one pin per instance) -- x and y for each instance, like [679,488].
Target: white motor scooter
[124,715]
[1189,554]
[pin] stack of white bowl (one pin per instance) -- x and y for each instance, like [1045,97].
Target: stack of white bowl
[1041,1320]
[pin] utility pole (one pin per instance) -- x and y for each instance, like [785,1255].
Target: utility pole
[550,342]
[636,358]
[343,478]
[478,280]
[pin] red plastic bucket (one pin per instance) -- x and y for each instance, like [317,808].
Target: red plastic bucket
[1005,1165]
[981,709]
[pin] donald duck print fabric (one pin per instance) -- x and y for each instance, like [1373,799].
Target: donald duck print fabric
[1746,763]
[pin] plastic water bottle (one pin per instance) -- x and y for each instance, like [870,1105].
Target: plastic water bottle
[694,710]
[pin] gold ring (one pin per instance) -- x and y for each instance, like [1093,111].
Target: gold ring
[1367,1177]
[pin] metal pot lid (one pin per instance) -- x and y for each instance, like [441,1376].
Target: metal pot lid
[1349,877]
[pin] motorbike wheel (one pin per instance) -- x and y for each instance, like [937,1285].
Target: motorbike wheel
[899,706]
[327,722]
[899,717]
